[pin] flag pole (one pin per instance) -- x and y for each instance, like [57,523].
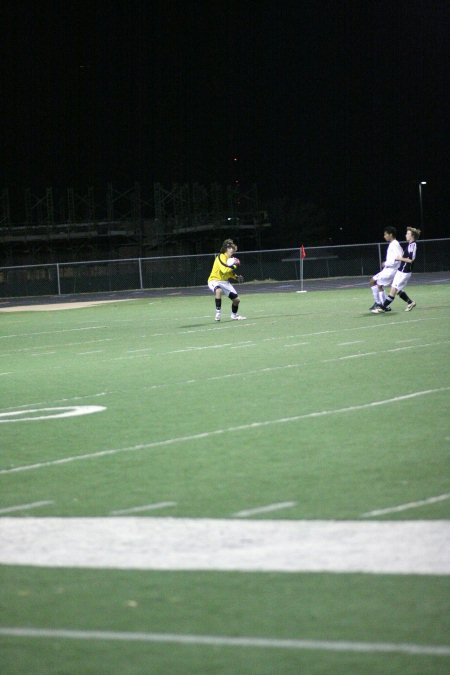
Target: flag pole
[301,273]
[302,256]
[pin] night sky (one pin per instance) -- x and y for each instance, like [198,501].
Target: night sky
[342,103]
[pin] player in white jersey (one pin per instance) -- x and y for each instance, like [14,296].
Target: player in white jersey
[403,274]
[390,266]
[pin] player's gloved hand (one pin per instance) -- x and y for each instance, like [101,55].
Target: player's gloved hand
[239,279]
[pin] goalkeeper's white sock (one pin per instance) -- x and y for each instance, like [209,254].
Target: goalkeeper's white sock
[376,294]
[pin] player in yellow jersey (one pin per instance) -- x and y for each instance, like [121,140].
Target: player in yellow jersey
[219,281]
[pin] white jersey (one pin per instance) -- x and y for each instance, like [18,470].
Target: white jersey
[394,250]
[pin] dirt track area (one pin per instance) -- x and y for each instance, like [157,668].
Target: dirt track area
[57,306]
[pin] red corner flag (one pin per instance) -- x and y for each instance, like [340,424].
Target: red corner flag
[302,252]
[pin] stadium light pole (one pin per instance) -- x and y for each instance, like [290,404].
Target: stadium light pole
[422,182]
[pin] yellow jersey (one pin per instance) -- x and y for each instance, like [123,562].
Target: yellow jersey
[220,270]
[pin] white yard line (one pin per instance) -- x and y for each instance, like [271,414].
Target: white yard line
[220,432]
[196,349]
[25,507]
[386,351]
[264,509]
[60,346]
[43,354]
[350,356]
[353,342]
[146,507]
[60,400]
[51,332]
[143,349]
[62,411]
[285,546]
[426,344]
[267,369]
[224,641]
[406,507]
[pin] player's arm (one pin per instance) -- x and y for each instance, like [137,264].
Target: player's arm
[225,263]
[412,255]
[232,263]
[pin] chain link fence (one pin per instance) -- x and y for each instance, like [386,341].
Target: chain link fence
[321,262]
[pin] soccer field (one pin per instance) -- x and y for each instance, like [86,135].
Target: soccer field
[264,496]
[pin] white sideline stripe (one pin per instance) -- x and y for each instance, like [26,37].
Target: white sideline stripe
[147,507]
[224,641]
[228,545]
[406,507]
[219,432]
[264,509]
[25,507]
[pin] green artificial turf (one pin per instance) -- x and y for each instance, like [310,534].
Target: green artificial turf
[217,418]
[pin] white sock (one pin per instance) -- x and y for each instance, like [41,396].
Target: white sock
[382,295]
[375,294]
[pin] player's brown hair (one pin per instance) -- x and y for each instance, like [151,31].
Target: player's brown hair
[226,244]
[414,231]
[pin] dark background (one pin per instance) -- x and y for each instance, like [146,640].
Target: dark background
[333,108]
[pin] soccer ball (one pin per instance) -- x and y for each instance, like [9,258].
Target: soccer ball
[232,261]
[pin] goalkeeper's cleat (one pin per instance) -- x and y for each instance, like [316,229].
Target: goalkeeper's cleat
[410,306]
[237,317]
[374,306]
[378,310]
[218,315]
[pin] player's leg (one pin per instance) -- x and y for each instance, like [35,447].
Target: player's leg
[218,301]
[381,281]
[390,299]
[235,301]
[214,287]
[399,284]
[410,304]
[375,292]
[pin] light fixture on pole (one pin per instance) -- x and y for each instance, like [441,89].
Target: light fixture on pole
[422,182]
